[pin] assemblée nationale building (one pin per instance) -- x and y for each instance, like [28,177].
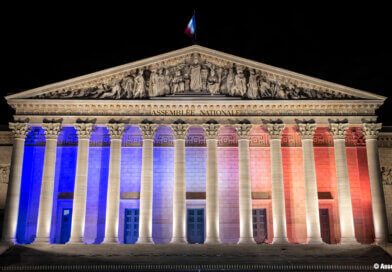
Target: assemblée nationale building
[196,146]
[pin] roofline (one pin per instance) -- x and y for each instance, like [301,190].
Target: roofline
[203,50]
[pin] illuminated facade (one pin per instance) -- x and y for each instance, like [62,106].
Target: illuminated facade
[195,146]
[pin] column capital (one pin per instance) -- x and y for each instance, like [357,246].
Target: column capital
[52,130]
[371,130]
[243,130]
[180,130]
[338,130]
[275,130]
[211,131]
[116,131]
[148,130]
[19,130]
[84,130]
[306,130]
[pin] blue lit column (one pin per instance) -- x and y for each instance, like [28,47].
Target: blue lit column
[52,131]
[113,199]
[19,131]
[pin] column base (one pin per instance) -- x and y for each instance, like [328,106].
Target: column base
[349,241]
[246,241]
[145,241]
[315,241]
[381,241]
[212,241]
[41,241]
[76,241]
[178,241]
[280,241]
[9,241]
[110,241]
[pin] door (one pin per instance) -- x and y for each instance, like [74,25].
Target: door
[260,233]
[131,228]
[195,230]
[66,220]
[324,226]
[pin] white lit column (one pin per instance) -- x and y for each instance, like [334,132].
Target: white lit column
[347,231]
[378,202]
[278,201]
[146,186]
[19,131]
[245,189]
[311,197]
[179,194]
[80,193]
[113,196]
[52,131]
[211,132]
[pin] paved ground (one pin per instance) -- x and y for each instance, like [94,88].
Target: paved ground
[194,254]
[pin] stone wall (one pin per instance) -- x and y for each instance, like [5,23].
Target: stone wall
[5,161]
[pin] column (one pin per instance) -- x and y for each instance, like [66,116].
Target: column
[311,197]
[179,195]
[211,132]
[278,201]
[80,193]
[146,186]
[52,131]
[113,198]
[245,188]
[378,202]
[338,131]
[19,131]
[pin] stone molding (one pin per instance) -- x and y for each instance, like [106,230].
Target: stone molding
[385,139]
[243,131]
[211,131]
[275,130]
[306,130]
[180,130]
[371,130]
[148,130]
[84,130]
[6,138]
[19,130]
[51,130]
[116,131]
[338,130]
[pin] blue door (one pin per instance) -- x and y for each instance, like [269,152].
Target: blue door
[66,220]
[195,226]
[131,227]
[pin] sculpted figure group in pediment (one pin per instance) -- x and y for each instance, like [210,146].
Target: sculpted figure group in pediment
[194,75]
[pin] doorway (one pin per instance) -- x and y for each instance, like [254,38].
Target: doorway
[195,230]
[66,221]
[260,233]
[324,226]
[131,228]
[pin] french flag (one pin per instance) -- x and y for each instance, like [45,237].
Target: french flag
[190,29]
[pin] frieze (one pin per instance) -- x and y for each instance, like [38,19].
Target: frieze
[191,74]
[291,140]
[4,173]
[386,174]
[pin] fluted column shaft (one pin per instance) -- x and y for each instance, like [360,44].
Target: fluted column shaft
[378,202]
[52,131]
[311,197]
[146,187]
[19,131]
[113,195]
[245,188]
[346,217]
[278,198]
[80,191]
[179,192]
[211,132]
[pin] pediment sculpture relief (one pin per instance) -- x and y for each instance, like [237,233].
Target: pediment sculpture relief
[193,74]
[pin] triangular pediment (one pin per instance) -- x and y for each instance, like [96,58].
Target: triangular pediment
[195,72]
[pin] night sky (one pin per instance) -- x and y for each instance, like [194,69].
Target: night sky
[345,45]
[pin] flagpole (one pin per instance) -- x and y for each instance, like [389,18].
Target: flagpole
[195,37]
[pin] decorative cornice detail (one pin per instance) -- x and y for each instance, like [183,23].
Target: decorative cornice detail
[243,130]
[180,130]
[338,130]
[84,130]
[211,131]
[148,130]
[306,130]
[371,130]
[116,131]
[52,130]
[275,130]
[19,130]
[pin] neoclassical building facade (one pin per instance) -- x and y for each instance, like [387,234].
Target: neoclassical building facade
[197,146]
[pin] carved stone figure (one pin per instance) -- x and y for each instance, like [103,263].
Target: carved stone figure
[178,85]
[154,82]
[213,82]
[239,88]
[252,85]
[167,82]
[140,88]
[230,82]
[128,87]
[195,75]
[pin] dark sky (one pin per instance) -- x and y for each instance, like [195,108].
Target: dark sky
[346,45]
